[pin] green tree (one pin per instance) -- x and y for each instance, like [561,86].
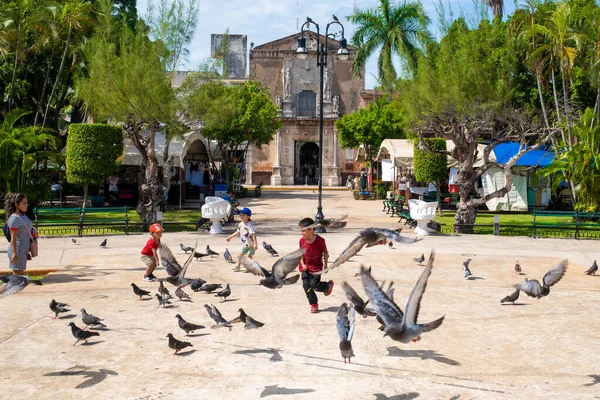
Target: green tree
[92,152]
[431,166]
[395,29]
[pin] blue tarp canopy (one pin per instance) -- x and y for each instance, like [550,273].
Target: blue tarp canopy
[540,158]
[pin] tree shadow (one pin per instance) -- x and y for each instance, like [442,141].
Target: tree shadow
[596,381]
[395,351]
[275,355]
[276,390]
[93,377]
[405,396]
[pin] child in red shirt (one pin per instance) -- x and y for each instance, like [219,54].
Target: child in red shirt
[314,260]
[149,254]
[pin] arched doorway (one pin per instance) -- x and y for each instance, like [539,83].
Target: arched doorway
[307,164]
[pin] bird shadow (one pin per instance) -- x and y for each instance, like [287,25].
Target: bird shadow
[198,334]
[475,278]
[277,390]
[186,353]
[596,381]
[92,343]
[275,355]
[516,304]
[230,300]
[68,316]
[405,396]
[146,299]
[100,329]
[395,351]
[93,377]
[169,306]
[330,309]
[187,300]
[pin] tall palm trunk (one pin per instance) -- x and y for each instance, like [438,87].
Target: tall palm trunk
[60,69]
[566,103]
[41,100]
[556,102]
[541,95]
[14,77]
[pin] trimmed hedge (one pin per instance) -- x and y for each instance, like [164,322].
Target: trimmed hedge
[430,167]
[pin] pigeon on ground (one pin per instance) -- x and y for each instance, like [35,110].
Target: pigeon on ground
[197,284]
[15,283]
[174,270]
[399,326]
[58,308]
[517,267]
[369,237]
[181,294]
[358,273]
[185,248]
[103,244]
[227,256]
[248,321]
[75,241]
[210,252]
[216,316]
[225,293]
[161,301]
[533,288]
[209,288]
[511,298]
[332,223]
[270,249]
[91,320]
[163,291]
[466,269]
[593,269]
[177,344]
[139,292]
[345,328]
[282,267]
[419,260]
[80,334]
[359,304]
[199,256]
[187,326]
[391,245]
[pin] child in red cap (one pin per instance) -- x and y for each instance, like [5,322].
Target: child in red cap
[149,254]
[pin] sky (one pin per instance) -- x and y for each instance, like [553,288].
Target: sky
[266,20]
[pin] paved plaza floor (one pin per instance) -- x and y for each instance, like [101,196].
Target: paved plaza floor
[542,349]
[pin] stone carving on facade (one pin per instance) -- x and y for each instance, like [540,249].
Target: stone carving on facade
[336,104]
[327,85]
[278,101]
[287,86]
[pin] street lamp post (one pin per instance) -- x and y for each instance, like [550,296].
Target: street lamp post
[342,54]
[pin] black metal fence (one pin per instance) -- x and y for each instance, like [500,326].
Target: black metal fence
[75,229]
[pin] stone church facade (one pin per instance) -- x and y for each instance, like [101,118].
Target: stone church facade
[292,156]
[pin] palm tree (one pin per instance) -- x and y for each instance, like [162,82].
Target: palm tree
[497,7]
[400,30]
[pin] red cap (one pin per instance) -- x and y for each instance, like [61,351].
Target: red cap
[156,228]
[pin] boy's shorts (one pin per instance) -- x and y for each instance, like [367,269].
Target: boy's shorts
[248,250]
[149,261]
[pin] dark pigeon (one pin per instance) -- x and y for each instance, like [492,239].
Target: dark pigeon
[225,293]
[139,292]
[270,249]
[359,304]
[511,298]
[227,256]
[248,321]
[185,248]
[197,284]
[163,291]
[419,260]
[391,245]
[533,288]
[518,267]
[161,301]
[80,334]
[187,326]
[210,252]
[103,244]
[593,269]
[177,344]
[75,241]
[216,316]
[466,269]
[209,288]
[282,267]
[345,328]
[58,308]
[181,294]
[15,283]
[91,320]
[199,256]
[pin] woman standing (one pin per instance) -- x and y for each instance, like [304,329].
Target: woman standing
[20,232]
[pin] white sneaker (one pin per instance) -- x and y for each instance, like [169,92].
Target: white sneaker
[236,268]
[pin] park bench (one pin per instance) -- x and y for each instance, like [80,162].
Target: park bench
[389,203]
[81,217]
[447,200]
[578,222]
[397,207]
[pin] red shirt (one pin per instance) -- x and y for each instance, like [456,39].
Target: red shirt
[151,244]
[313,258]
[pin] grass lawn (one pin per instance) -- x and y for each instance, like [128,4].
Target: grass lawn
[505,219]
[186,216]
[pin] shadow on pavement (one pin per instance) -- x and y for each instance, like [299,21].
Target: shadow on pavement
[596,379]
[93,377]
[406,396]
[275,390]
[395,351]
[275,355]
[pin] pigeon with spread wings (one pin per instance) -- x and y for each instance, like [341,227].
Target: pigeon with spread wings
[398,326]
[369,237]
[345,328]
[176,272]
[533,288]
[11,284]
[332,223]
[282,267]
[359,304]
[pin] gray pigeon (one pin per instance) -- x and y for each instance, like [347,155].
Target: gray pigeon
[248,321]
[91,320]
[533,288]
[15,283]
[420,260]
[358,303]
[139,292]
[163,291]
[270,249]
[209,288]
[103,244]
[399,326]
[517,267]
[332,223]
[186,248]
[177,344]
[161,301]
[181,294]
[80,334]
[369,237]
[225,293]
[358,273]
[282,267]
[210,252]
[466,269]
[227,256]
[58,308]
[216,316]
[187,326]
[75,241]
[511,298]
[593,269]
[174,270]
[345,328]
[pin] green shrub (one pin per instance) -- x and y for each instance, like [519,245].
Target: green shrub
[430,166]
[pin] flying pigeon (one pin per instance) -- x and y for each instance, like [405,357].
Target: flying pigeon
[332,223]
[593,269]
[197,284]
[282,267]
[91,320]
[199,256]
[511,298]
[210,252]
[419,260]
[399,326]
[174,270]
[161,301]
[227,256]
[15,283]
[209,288]
[359,304]
[75,241]
[358,273]
[270,249]
[248,321]
[177,344]
[369,237]
[466,269]
[517,267]
[533,288]
[58,308]
[216,316]
[163,291]
[181,294]
[345,328]
[103,244]
[186,248]
[187,326]
[80,334]
[225,293]
[139,292]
